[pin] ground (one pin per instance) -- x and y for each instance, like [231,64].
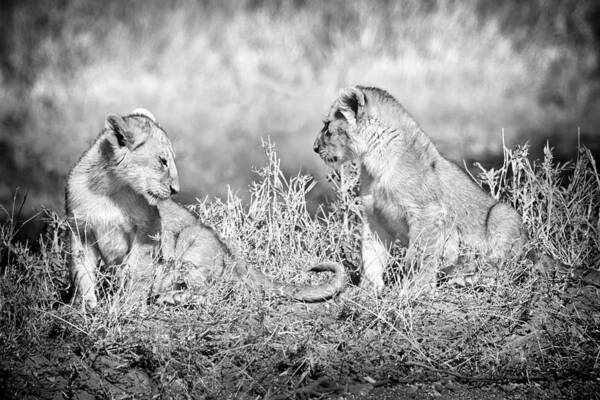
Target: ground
[275,349]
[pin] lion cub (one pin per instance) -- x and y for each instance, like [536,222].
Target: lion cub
[410,192]
[119,211]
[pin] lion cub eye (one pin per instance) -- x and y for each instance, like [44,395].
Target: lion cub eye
[163,161]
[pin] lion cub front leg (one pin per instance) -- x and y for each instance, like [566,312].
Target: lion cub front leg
[375,257]
[142,262]
[83,260]
[167,245]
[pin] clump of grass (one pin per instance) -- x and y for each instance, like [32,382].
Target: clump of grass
[557,200]
[525,326]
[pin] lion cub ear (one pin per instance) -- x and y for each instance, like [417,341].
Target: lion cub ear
[351,103]
[121,133]
[144,112]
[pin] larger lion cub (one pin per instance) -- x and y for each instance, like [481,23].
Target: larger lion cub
[409,191]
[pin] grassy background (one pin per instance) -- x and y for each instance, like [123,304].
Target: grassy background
[219,75]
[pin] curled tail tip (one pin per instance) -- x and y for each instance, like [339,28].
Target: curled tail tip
[328,267]
[324,291]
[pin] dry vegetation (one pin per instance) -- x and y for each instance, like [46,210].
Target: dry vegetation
[219,75]
[526,332]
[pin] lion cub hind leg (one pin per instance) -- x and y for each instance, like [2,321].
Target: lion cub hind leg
[462,274]
[434,245]
[200,249]
[171,285]
[199,258]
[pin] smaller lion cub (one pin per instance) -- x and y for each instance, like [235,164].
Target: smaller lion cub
[111,198]
[119,209]
[410,192]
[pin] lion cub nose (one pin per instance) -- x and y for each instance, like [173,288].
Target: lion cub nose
[316,147]
[174,188]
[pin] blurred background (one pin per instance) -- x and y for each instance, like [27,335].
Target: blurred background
[221,75]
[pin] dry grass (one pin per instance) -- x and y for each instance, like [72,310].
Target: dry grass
[522,326]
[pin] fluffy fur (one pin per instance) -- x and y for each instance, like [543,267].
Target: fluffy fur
[410,191]
[119,210]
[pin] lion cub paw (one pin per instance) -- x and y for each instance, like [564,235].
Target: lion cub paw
[372,286]
[88,302]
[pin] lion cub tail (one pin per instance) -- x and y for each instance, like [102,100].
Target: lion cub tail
[305,293]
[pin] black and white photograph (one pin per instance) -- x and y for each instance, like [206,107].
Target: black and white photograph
[299,199]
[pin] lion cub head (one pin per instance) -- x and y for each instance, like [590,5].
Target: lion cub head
[139,154]
[363,121]
[339,139]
